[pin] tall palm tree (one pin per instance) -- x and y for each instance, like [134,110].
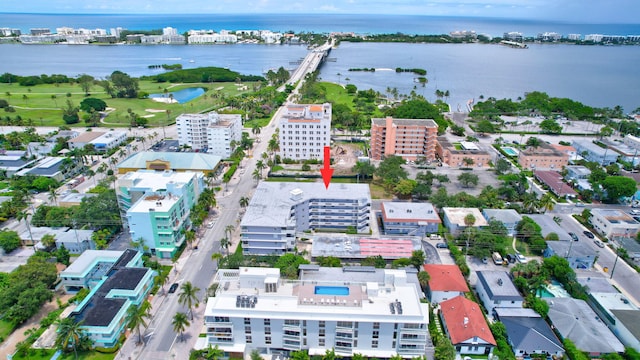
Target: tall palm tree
[216,257]
[138,316]
[190,237]
[229,230]
[53,196]
[256,129]
[529,202]
[225,243]
[180,323]
[257,175]
[469,221]
[188,296]
[69,334]
[546,202]
[23,215]
[260,166]
[244,202]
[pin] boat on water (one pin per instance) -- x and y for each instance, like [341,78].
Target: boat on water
[192,61]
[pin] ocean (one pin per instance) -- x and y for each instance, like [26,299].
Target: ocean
[601,76]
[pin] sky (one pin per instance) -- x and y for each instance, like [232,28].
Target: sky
[572,11]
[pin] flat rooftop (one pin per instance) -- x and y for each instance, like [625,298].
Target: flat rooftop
[154,202]
[177,160]
[272,201]
[508,216]
[498,285]
[409,212]
[89,257]
[406,122]
[615,216]
[153,180]
[457,215]
[358,298]
[573,248]
[354,247]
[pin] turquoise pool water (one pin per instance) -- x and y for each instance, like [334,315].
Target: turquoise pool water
[510,151]
[332,290]
[181,96]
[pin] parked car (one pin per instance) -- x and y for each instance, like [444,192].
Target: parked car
[521,258]
[485,260]
[598,243]
[511,258]
[635,212]
[173,288]
[588,234]
[442,245]
[573,236]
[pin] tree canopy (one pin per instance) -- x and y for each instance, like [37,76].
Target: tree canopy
[92,104]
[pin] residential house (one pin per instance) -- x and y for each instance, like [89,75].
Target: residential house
[592,152]
[466,326]
[528,333]
[573,319]
[578,175]
[373,312]
[508,217]
[614,224]
[176,161]
[101,141]
[496,290]
[409,218]
[410,139]
[620,314]
[103,313]
[627,153]
[76,241]
[73,199]
[578,254]
[554,182]
[445,282]
[454,219]
[305,130]
[51,167]
[12,161]
[542,157]
[277,210]
[465,154]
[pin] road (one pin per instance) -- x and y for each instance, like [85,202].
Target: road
[624,276]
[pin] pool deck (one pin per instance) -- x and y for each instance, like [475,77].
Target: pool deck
[307,296]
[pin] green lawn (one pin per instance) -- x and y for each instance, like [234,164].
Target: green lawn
[43,103]
[5,329]
[46,354]
[378,192]
[336,94]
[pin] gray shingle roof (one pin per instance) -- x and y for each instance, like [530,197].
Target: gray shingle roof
[498,285]
[531,334]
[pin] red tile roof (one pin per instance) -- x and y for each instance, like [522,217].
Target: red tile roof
[464,321]
[445,278]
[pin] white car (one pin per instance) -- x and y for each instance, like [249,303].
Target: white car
[521,258]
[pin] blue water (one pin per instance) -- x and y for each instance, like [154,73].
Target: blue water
[332,290]
[323,23]
[509,151]
[181,96]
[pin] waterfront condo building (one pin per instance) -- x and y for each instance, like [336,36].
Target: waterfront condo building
[373,312]
[212,133]
[465,154]
[304,131]
[156,207]
[408,138]
[278,210]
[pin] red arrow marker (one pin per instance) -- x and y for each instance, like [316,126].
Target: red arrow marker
[326,171]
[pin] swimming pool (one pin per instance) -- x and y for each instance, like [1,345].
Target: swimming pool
[181,96]
[510,151]
[331,290]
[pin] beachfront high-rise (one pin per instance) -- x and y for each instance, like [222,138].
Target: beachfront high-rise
[212,133]
[156,207]
[304,131]
[373,312]
[407,138]
[278,210]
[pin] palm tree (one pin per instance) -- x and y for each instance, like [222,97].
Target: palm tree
[53,196]
[244,202]
[54,97]
[190,237]
[188,296]
[216,257]
[257,175]
[214,353]
[23,215]
[180,323]
[69,334]
[256,129]
[138,316]
[229,229]
[260,166]
[546,202]
[225,243]
[423,278]
[529,202]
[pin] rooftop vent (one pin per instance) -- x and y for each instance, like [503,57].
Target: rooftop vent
[499,282]
[296,194]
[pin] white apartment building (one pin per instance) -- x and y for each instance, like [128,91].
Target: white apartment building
[210,37]
[575,37]
[278,210]
[304,131]
[211,132]
[373,312]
